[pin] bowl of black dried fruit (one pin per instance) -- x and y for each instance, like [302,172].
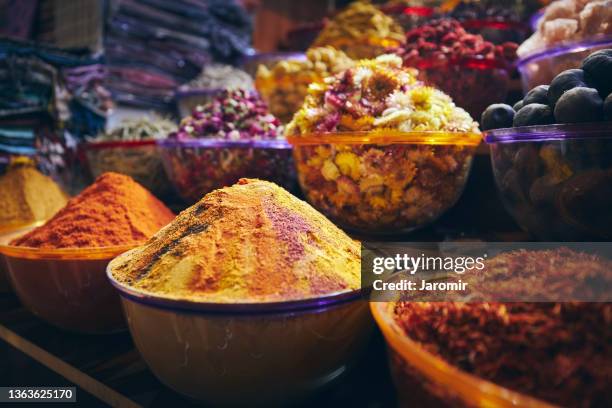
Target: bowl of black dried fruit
[552,153]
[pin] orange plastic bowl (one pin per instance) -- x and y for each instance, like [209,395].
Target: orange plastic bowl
[67,287]
[7,234]
[425,380]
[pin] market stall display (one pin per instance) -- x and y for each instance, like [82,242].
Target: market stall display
[550,153]
[130,149]
[231,137]
[284,86]
[361,31]
[473,71]
[213,79]
[57,269]
[518,354]
[567,32]
[379,152]
[297,262]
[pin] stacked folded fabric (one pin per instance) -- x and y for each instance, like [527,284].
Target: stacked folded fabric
[153,46]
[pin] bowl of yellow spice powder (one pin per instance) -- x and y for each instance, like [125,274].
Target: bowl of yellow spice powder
[379,152]
[57,269]
[249,297]
[28,199]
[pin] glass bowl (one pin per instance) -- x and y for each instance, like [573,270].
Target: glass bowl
[556,180]
[262,354]
[7,234]
[199,166]
[384,182]
[423,379]
[67,287]
[473,83]
[540,68]
[138,159]
[187,99]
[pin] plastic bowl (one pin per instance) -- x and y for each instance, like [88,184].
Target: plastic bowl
[384,183]
[247,354]
[67,287]
[138,159]
[423,379]
[7,234]
[541,67]
[188,99]
[473,83]
[556,180]
[199,166]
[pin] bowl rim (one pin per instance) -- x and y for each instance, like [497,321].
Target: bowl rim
[438,370]
[564,48]
[476,63]
[555,132]
[68,254]
[280,55]
[109,144]
[388,137]
[317,303]
[280,144]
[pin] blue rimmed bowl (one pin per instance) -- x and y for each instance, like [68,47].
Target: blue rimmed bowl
[198,166]
[556,180]
[256,354]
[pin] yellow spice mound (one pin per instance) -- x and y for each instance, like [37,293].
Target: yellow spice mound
[27,196]
[252,242]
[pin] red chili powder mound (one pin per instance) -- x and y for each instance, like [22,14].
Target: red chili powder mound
[114,210]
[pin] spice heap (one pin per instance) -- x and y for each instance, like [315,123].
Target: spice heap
[233,115]
[362,186]
[447,39]
[361,31]
[557,352]
[285,85]
[474,72]
[147,128]
[28,196]
[114,210]
[252,242]
[568,21]
[220,76]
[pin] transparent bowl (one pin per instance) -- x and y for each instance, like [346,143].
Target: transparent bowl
[7,234]
[384,182]
[263,354]
[67,287]
[199,166]
[556,180]
[188,99]
[409,17]
[473,83]
[139,159]
[540,68]
[425,380]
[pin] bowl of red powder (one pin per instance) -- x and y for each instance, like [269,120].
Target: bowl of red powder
[58,268]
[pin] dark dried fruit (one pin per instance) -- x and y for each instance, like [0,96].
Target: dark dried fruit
[607,108]
[598,71]
[498,115]
[517,106]
[534,114]
[579,105]
[563,82]
[539,94]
